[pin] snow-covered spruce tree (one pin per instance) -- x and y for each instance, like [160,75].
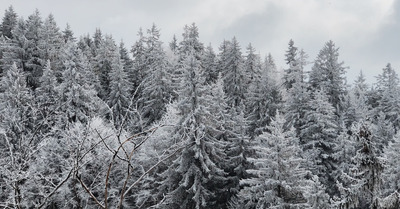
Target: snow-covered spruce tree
[389,96]
[160,144]
[8,23]
[291,73]
[86,45]
[107,52]
[79,100]
[360,186]
[127,63]
[252,65]
[68,34]
[209,62]
[391,172]
[263,98]
[119,99]
[328,74]
[318,138]
[139,62]
[193,179]
[24,48]
[223,55]
[383,132]
[18,138]
[51,43]
[279,177]
[230,128]
[156,88]
[344,151]
[173,45]
[47,98]
[298,96]
[35,61]
[234,125]
[357,107]
[15,50]
[190,43]
[233,74]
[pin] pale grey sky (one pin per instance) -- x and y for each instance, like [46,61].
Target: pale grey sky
[367,31]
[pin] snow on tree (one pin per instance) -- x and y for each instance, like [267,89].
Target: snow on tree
[391,173]
[34,62]
[126,61]
[159,144]
[209,62]
[23,49]
[252,65]
[15,50]
[233,74]
[51,40]
[107,51]
[139,61]
[389,97]
[79,100]
[263,98]
[86,45]
[190,42]
[118,99]
[18,136]
[383,132]
[328,74]
[68,34]
[156,88]
[270,69]
[362,184]
[318,139]
[344,151]
[75,157]
[8,23]
[222,56]
[279,177]
[298,96]
[233,124]
[357,107]
[291,59]
[47,98]
[173,45]
[191,180]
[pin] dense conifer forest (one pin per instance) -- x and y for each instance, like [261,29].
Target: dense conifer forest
[86,122]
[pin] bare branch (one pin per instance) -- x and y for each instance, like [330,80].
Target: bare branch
[55,189]
[89,192]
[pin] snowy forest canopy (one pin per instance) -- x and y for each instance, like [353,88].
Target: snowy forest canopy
[86,122]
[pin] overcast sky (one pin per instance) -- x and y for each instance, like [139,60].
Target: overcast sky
[367,31]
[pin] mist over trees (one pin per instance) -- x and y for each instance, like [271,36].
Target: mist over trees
[86,122]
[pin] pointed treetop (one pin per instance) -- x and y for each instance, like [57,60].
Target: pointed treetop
[68,34]
[8,23]
[173,45]
[291,53]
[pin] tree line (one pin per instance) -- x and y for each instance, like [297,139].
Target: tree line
[89,123]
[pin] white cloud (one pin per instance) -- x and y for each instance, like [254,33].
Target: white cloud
[335,19]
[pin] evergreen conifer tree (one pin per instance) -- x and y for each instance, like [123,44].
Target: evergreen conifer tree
[318,138]
[192,179]
[328,74]
[8,23]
